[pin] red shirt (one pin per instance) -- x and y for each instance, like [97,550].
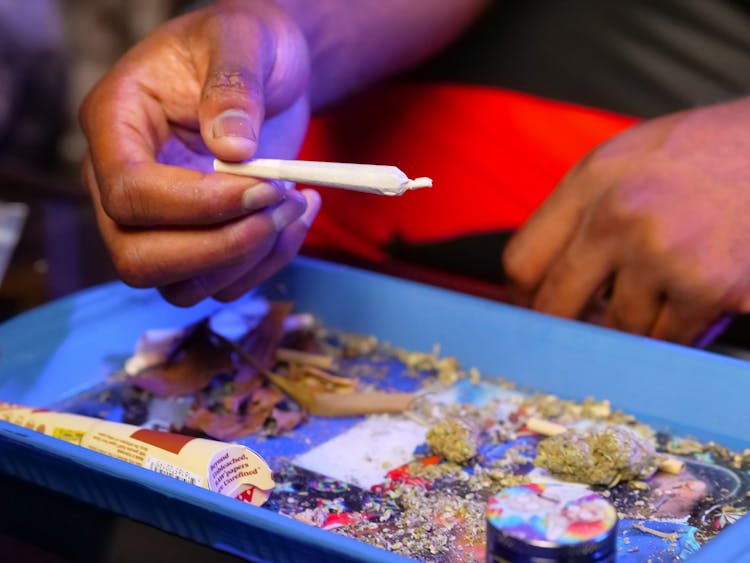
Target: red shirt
[493,154]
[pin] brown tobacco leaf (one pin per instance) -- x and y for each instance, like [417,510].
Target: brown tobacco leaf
[193,361]
[263,342]
[285,421]
[318,380]
[199,355]
[234,401]
[227,426]
[250,417]
[250,400]
[232,396]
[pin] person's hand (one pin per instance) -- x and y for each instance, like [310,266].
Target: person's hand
[658,219]
[230,81]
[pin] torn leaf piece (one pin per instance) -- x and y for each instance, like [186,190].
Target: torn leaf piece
[227,425]
[190,361]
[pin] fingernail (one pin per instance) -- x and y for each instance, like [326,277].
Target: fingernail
[313,206]
[288,211]
[233,123]
[262,195]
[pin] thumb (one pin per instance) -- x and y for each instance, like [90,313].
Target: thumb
[232,105]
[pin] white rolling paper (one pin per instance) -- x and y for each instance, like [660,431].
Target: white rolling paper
[370,178]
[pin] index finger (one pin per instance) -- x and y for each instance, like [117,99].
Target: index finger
[537,244]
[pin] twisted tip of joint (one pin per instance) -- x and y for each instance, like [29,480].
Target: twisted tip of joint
[417,183]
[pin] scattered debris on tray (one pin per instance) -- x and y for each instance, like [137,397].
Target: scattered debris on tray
[264,371]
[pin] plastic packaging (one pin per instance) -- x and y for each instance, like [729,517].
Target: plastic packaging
[228,469]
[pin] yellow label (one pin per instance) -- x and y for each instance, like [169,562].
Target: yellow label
[74,436]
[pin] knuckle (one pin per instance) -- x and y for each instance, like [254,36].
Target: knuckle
[615,317]
[697,287]
[617,209]
[621,317]
[233,293]
[234,245]
[210,202]
[87,176]
[629,203]
[86,109]
[655,241]
[589,175]
[120,199]
[714,287]
[585,172]
[131,268]
[516,267]
[107,197]
[179,298]
[193,292]
[740,301]
[222,81]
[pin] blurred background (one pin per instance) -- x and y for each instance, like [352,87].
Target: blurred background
[51,54]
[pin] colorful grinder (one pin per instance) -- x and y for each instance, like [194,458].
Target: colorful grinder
[542,523]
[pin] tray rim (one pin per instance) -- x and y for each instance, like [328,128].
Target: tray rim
[203,502]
